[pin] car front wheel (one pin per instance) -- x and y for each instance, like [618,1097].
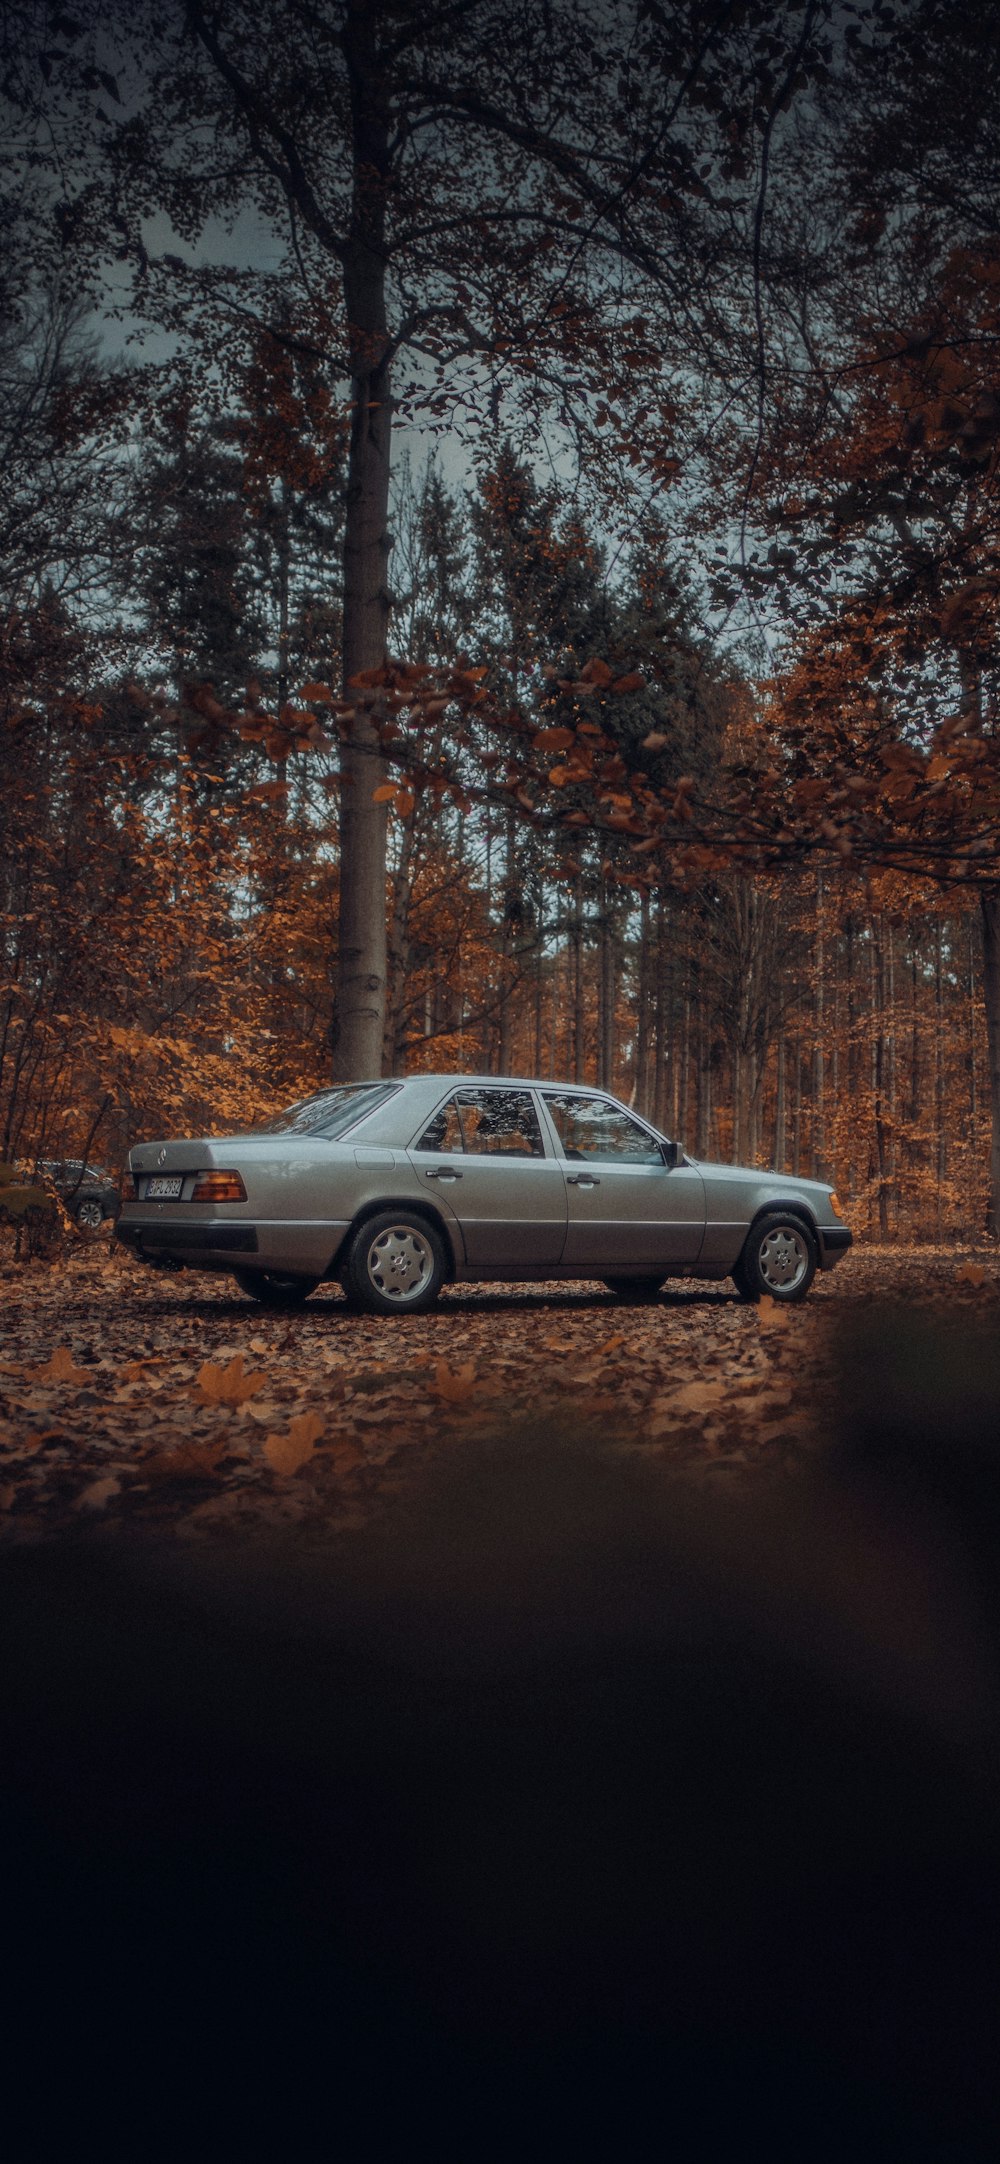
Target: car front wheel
[89,1214]
[395,1264]
[779,1259]
[274,1289]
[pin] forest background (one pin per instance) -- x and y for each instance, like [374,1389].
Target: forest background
[498,570]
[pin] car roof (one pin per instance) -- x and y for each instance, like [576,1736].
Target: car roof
[506,1081]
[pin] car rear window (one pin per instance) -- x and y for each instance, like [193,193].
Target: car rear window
[330,1112]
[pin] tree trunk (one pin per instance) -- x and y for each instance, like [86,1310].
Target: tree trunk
[941,1141]
[990,904]
[879,1067]
[642,1008]
[398,955]
[819,1050]
[579,1017]
[779,1105]
[662,1070]
[359,1015]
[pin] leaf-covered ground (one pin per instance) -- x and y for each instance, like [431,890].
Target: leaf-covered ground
[171,1403]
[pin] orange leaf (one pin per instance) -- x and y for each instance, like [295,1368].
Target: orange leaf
[404,801]
[634,681]
[319,694]
[285,1453]
[553,740]
[384,793]
[191,1461]
[99,1493]
[454,1384]
[595,672]
[60,1368]
[227,1385]
[970,1273]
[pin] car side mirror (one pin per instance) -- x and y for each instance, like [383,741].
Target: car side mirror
[671,1154]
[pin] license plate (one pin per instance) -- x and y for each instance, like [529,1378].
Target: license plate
[163,1190]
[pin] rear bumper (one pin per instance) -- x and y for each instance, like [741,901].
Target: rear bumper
[303,1248]
[199,1244]
[834,1241]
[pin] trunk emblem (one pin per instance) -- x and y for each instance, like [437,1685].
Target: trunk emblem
[161,1157]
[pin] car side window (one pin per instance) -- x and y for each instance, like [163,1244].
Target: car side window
[444,1131]
[590,1128]
[499,1123]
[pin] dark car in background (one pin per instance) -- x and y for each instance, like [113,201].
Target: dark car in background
[89,1194]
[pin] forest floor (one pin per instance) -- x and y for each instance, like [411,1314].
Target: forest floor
[172,1405]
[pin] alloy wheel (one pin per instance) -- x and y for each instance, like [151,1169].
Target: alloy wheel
[400,1263]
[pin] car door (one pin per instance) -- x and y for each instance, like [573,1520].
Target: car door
[627,1210]
[484,1156]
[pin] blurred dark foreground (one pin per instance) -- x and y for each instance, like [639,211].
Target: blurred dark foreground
[562,1812]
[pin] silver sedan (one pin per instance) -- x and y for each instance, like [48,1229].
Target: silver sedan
[395,1188]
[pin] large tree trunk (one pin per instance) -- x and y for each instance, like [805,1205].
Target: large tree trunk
[359,1015]
[990,902]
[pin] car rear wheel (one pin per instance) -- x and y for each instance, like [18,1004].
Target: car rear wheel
[274,1289]
[89,1214]
[779,1259]
[395,1264]
[634,1288]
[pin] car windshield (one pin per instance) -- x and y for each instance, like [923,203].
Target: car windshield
[330,1112]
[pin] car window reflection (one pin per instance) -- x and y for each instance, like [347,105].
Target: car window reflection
[598,1132]
[444,1132]
[486,1123]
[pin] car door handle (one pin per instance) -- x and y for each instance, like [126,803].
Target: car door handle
[443,1172]
[581,1179]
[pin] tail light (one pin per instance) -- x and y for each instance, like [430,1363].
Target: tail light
[219,1187]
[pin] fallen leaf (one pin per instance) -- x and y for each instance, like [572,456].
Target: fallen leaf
[60,1368]
[345,1455]
[698,1397]
[285,1453]
[188,1461]
[266,1411]
[99,1493]
[771,1311]
[970,1273]
[228,1385]
[454,1384]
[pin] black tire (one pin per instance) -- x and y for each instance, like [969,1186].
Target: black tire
[88,1214]
[779,1258]
[395,1264]
[273,1288]
[634,1288]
